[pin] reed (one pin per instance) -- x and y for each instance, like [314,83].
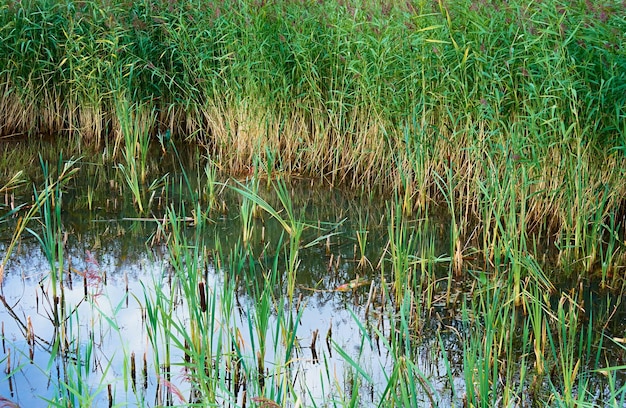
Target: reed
[361,238]
[247,210]
[47,203]
[384,96]
[510,115]
[210,189]
[135,127]
[567,352]
[402,246]
[507,338]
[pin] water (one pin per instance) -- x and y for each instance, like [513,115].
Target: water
[114,259]
[117,265]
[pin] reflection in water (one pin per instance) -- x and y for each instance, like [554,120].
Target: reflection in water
[110,321]
[118,271]
[113,266]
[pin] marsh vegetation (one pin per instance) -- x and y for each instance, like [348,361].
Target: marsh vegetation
[448,176]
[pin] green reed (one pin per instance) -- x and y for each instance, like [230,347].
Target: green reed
[78,373]
[536,301]
[290,222]
[247,210]
[616,396]
[511,114]
[607,262]
[135,127]
[217,360]
[402,246]
[47,204]
[405,382]
[239,329]
[169,332]
[481,362]
[410,97]
[47,208]
[568,352]
[361,93]
[361,238]
[210,189]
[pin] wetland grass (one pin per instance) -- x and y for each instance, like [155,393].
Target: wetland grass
[508,118]
[348,92]
[47,207]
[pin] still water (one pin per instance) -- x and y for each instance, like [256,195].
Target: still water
[91,339]
[113,266]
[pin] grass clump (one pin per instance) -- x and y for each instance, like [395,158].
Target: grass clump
[397,96]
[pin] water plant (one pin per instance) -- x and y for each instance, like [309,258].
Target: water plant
[361,237]
[47,202]
[256,90]
[135,132]
[499,127]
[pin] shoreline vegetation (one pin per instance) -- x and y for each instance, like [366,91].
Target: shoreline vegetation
[509,117]
[492,107]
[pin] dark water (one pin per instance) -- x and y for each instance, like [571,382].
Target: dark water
[114,259]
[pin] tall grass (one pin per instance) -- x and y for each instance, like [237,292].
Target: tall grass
[351,92]
[510,114]
[47,205]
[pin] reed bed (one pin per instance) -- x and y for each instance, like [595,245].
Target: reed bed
[508,118]
[516,101]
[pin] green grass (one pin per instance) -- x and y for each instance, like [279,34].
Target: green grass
[507,117]
[520,105]
[509,334]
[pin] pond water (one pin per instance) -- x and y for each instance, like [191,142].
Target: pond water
[118,266]
[112,263]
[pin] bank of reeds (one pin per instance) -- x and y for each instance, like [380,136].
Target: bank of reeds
[512,101]
[510,115]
